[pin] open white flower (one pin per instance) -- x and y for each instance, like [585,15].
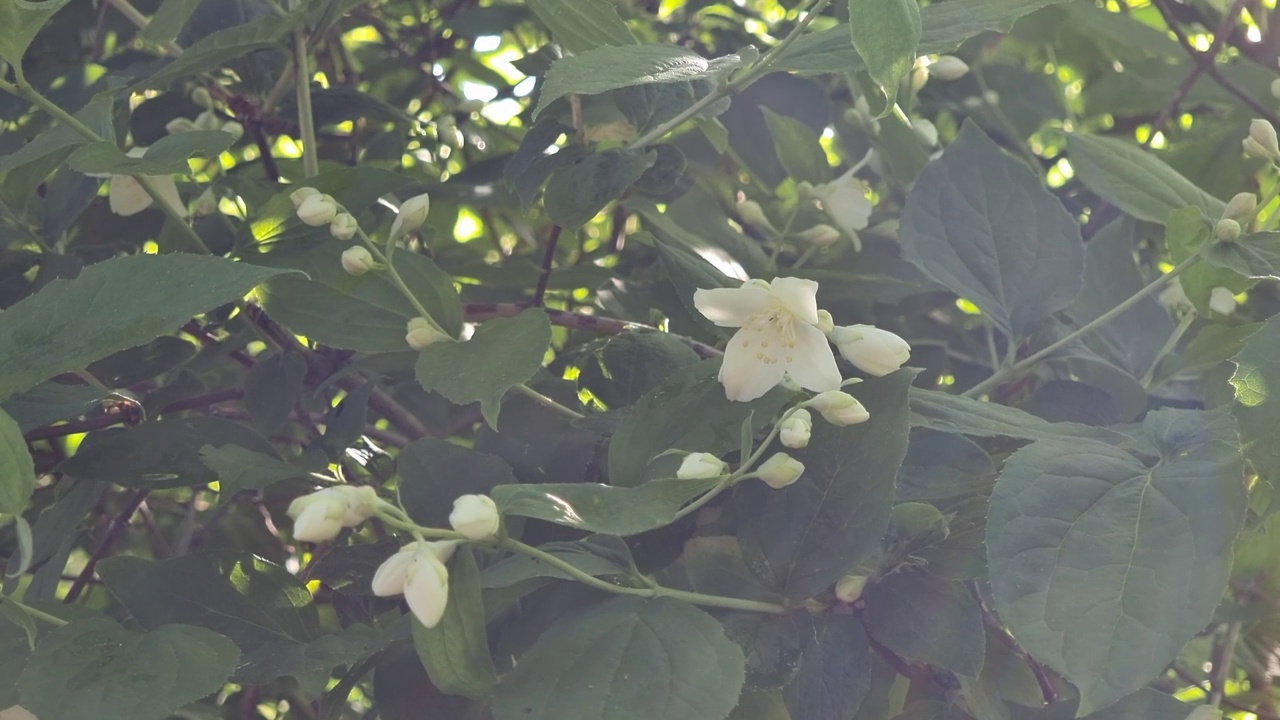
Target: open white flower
[778,336]
[126,196]
[418,572]
[845,201]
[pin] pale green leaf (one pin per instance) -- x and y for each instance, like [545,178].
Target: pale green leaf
[580,25]
[1135,180]
[17,470]
[168,156]
[20,20]
[455,653]
[886,34]
[606,509]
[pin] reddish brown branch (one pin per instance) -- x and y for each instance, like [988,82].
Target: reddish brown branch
[109,537]
[548,257]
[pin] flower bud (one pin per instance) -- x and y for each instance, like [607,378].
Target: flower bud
[421,333]
[1262,141]
[208,120]
[948,67]
[752,214]
[839,408]
[874,351]
[343,226]
[1241,206]
[358,260]
[475,516]
[919,77]
[1222,301]
[820,235]
[179,125]
[991,97]
[234,129]
[471,106]
[448,133]
[700,466]
[417,571]
[413,213]
[849,588]
[780,470]
[1227,230]
[318,210]
[388,579]
[804,189]
[300,195]
[925,131]
[320,516]
[826,323]
[795,430]
[201,97]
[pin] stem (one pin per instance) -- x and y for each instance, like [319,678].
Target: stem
[547,402]
[1167,348]
[279,89]
[306,120]
[37,614]
[1021,366]
[385,259]
[1222,665]
[548,257]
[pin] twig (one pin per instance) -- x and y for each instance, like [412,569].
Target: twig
[205,400]
[479,312]
[111,415]
[1223,656]
[109,537]
[548,257]
[993,624]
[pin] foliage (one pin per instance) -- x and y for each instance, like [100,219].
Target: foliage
[384,358]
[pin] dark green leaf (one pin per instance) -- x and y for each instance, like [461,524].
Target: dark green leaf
[714,565]
[835,671]
[797,146]
[49,402]
[144,362]
[1135,180]
[239,468]
[168,156]
[1256,412]
[927,619]
[632,364]
[530,165]
[580,25]
[576,193]
[626,659]
[597,555]
[433,473]
[965,416]
[609,68]
[219,47]
[803,538]
[601,508]
[503,352]
[272,388]
[71,323]
[886,34]
[456,652]
[1253,256]
[17,469]
[95,668]
[773,645]
[168,20]
[20,20]
[310,663]
[54,145]
[1104,563]
[975,205]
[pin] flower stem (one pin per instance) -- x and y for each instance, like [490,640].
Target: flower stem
[547,402]
[306,120]
[1021,366]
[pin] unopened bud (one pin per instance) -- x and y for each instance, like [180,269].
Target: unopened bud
[201,97]
[820,235]
[422,334]
[991,97]
[794,432]
[413,213]
[926,131]
[1241,206]
[318,210]
[1262,140]
[234,129]
[839,408]
[752,214]
[343,226]
[300,196]
[701,466]
[358,260]
[826,323]
[872,350]
[448,133]
[475,516]
[850,587]
[780,470]
[948,67]
[919,78]
[1222,301]
[1227,230]
[180,125]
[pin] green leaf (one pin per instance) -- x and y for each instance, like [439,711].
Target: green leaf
[966,416]
[20,20]
[71,323]
[596,555]
[798,148]
[239,468]
[835,671]
[629,365]
[433,473]
[215,49]
[503,352]
[238,595]
[886,34]
[927,619]
[714,565]
[17,469]
[609,68]
[1104,563]
[168,20]
[158,454]
[1187,234]
[1253,256]
[626,659]
[276,221]
[1135,180]
[801,539]
[592,507]
[530,165]
[95,668]
[980,224]
[456,652]
[311,663]
[580,25]
[55,144]
[168,156]
[576,193]
[687,412]
[1257,414]
[272,388]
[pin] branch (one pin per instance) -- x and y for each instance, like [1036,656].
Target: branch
[109,537]
[997,628]
[548,257]
[479,312]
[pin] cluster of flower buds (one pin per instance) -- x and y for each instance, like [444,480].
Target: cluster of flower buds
[208,119]
[320,516]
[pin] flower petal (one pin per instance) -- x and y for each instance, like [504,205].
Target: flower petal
[811,362]
[747,372]
[389,578]
[426,588]
[126,196]
[731,307]
[799,297]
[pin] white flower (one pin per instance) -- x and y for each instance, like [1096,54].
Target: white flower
[1222,301]
[826,323]
[845,201]
[780,470]
[849,588]
[872,350]
[700,466]
[357,261]
[1227,230]
[778,336]
[421,334]
[1241,206]
[321,515]
[413,213]
[301,195]
[839,408]
[343,226]
[17,712]
[1262,141]
[820,235]
[126,196]
[475,516]
[417,572]
[948,67]
[795,430]
[317,210]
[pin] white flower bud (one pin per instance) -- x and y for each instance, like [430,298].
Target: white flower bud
[448,133]
[208,120]
[700,466]
[1241,206]
[820,235]
[1227,230]
[752,214]
[358,260]
[991,97]
[413,213]
[475,516]
[320,516]
[426,588]
[234,129]
[201,97]
[318,210]
[300,196]
[796,429]
[179,125]
[1262,141]
[388,579]
[925,131]
[343,226]
[839,408]
[826,323]
[919,77]
[874,351]
[849,588]
[780,470]
[420,333]
[1222,301]
[948,67]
